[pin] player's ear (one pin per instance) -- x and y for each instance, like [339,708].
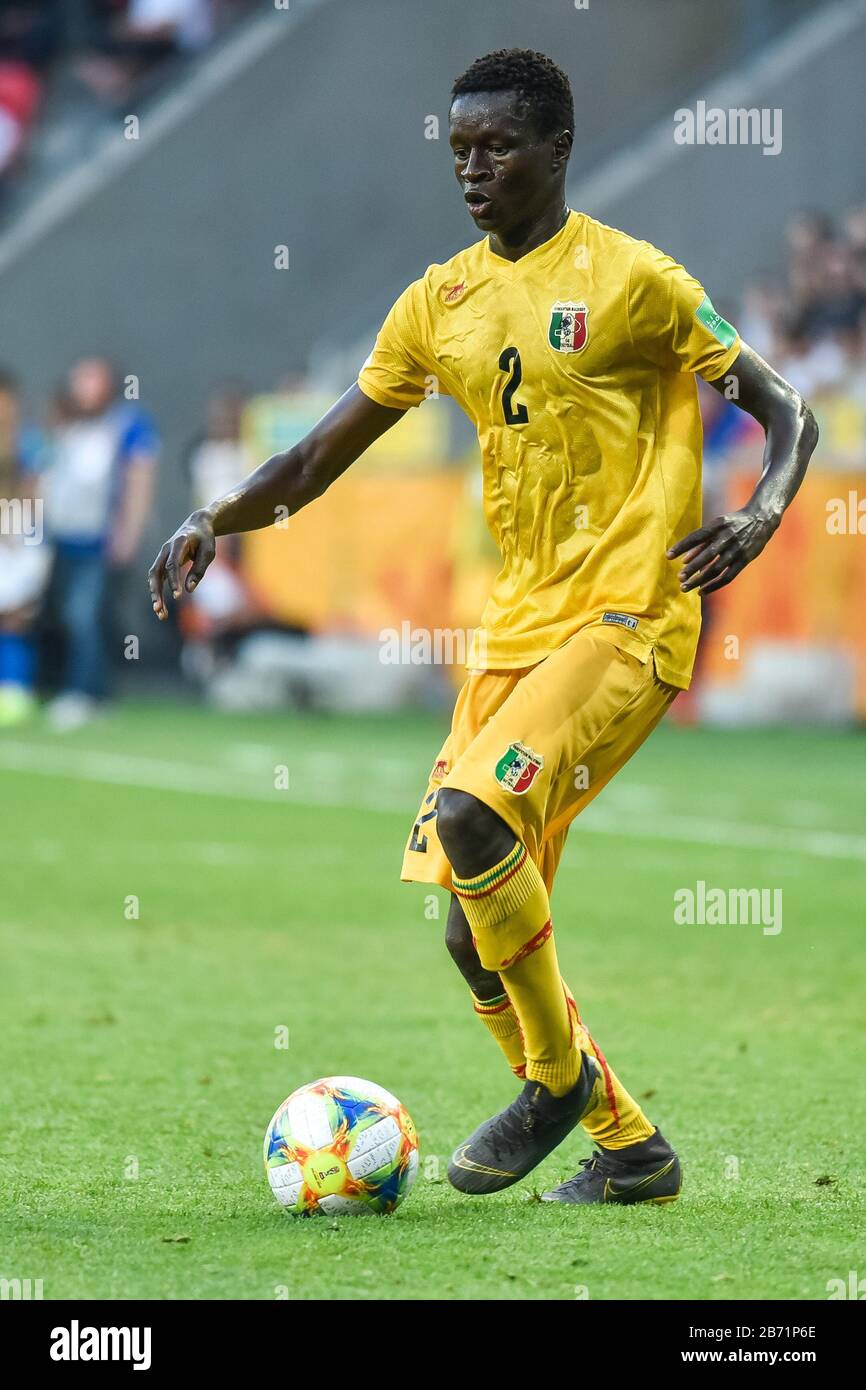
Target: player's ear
[562,146]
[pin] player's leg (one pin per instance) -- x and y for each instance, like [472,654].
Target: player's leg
[616,1119]
[506,904]
[505,901]
[490,1000]
[83,620]
[425,861]
[589,706]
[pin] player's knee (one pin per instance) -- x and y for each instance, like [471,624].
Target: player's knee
[454,815]
[473,836]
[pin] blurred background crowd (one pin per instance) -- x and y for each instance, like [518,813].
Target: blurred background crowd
[159,353]
[67,65]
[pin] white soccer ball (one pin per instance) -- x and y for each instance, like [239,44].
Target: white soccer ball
[341,1144]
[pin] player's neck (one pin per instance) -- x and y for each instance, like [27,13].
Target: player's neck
[526,238]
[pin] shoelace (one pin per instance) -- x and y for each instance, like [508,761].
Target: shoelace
[515,1122]
[518,1121]
[596,1163]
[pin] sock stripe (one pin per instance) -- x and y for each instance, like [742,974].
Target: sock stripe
[487,1007]
[608,1081]
[534,944]
[488,882]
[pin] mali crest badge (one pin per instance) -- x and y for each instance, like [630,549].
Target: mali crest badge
[568,331]
[518,768]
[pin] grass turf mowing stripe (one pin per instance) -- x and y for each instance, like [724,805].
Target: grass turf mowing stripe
[194,779]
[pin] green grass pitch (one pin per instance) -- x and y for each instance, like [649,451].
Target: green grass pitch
[141,1066]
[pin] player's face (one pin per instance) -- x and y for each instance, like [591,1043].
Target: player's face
[508,173]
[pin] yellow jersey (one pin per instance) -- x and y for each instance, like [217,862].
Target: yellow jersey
[576,364]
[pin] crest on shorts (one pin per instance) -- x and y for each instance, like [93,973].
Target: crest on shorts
[568,331]
[518,768]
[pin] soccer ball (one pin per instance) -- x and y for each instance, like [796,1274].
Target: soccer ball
[341,1145]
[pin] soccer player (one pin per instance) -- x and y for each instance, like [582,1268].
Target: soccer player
[573,348]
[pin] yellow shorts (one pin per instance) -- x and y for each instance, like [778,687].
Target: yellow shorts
[536,745]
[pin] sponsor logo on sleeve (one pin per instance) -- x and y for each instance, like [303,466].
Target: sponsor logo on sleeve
[721,330]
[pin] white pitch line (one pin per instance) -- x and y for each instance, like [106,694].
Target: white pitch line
[120,769]
[195,779]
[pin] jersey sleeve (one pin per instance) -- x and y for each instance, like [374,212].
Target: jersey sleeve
[672,321]
[397,371]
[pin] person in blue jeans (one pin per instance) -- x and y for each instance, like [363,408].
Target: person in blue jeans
[24,557]
[99,489]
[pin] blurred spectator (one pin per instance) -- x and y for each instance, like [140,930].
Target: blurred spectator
[807,236]
[186,24]
[140,40]
[835,304]
[811,363]
[765,302]
[217,615]
[118,49]
[855,231]
[219,458]
[233,648]
[811,324]
[99,489]
[20,91]
[30,30]
[24,558]
[28,37]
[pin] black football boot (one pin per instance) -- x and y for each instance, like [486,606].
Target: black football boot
[648,1171]
[508,1146]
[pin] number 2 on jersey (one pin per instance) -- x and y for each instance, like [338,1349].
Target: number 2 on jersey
[514,412]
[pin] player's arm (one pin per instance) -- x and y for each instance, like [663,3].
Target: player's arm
[286,481]
[716,553]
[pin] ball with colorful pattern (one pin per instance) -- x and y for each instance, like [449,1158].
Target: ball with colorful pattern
[341,1145]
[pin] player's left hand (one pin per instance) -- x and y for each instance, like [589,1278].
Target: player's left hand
[716,553]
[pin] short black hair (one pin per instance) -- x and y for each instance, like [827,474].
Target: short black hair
[536,77]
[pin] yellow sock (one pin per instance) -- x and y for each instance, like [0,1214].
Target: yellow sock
[502,1023]
[508,910]
[616,1119]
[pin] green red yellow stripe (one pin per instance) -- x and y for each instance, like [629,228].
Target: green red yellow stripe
[492,879]
[492,1006]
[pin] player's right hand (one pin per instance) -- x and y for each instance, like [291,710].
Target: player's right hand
[193,543]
